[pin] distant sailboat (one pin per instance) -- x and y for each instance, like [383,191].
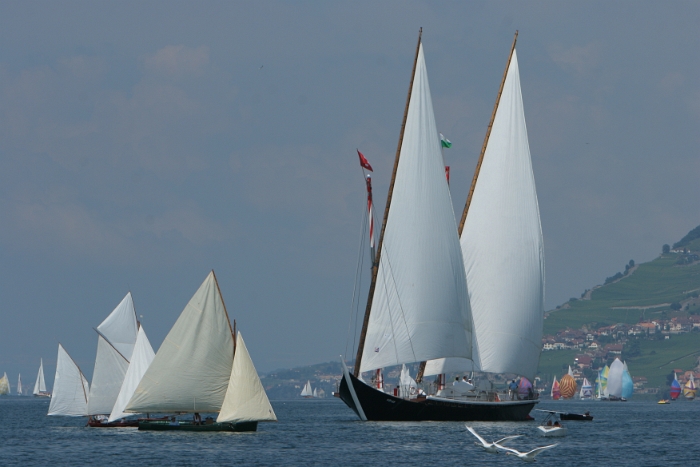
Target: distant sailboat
[199,368]
[19,385]
[556,392]
[4,385]
[40,384]
[689,388]
[567,386]
[315,392]
[306,391]
[675,388]
[418,306]
[70,388]
[586,389]
[627,383]
[614,386]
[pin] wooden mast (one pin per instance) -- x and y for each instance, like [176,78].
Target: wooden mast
[486,139]
[460,228]
[375,266]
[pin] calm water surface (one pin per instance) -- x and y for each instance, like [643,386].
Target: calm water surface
[326,432]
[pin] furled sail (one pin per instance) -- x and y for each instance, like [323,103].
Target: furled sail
[615,378]
[503,247]
[70,388]
[4,384]
[120,327]
[40,384]
[191,371]
[246,400]
[141,359]
[107,378]
[420,308]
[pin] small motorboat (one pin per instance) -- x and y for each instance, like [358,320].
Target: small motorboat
[551,426]
[664,401]
[582,417]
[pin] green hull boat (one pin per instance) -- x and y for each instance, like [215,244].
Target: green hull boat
[191,426]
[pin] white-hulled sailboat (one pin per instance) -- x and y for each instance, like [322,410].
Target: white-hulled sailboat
[70,388]
[40,384]
[199,369]
[306,392]
[502,246]
[418,305]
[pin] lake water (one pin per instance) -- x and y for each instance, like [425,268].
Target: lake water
[326,432]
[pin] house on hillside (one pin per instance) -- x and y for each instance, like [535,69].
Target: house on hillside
[583,361]
[613,350]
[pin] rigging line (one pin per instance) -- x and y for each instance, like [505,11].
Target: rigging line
[358,271]
[403,315]
[386,293]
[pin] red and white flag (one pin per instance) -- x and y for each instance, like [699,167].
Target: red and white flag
[364,162]
[447,173]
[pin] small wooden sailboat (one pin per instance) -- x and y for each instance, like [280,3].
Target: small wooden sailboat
[307,392]
[40,384]
[4,385]
[200,369]
[70,388]
[418,305]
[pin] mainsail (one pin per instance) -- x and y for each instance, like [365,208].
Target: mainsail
[4,384]
[420,307]
[191,371]
[141,359]
[70,388]
[503,247]
[120,327]
[245,399]
[19,385]
[40,384]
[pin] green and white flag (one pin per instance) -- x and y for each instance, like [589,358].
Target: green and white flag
[445,142]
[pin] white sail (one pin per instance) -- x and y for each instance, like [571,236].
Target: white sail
[19,385]
[407,385]
[107,378]
[140,361]
[191,371]
[503,248]
[246,400]
[70,388]
[40,384]
[420,308]
[120,327]
[448,365]
[315,392]
[4,384]
[306,391]
[614,387]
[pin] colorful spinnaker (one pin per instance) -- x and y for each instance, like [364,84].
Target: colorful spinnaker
[689,388]
[556,393]
[627,383]
[586,389]
[567,386]
[675,387]
[524,388]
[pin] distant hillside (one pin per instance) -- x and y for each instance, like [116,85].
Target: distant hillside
[665,290]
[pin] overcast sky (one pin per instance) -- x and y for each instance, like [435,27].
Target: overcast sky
[144,143]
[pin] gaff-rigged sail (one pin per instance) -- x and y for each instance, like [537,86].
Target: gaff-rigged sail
[191,371]
[70,388]
[503,247]
[420,303]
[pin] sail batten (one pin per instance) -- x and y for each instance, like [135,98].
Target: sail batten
[191,370]
[420,306]
[502,245]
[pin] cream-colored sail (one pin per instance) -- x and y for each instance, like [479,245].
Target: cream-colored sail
[19,385]
[70,388]
[420,307]
[107,378]
[191,371]
[246,400]
[140,361]
[121,326]
[4,384]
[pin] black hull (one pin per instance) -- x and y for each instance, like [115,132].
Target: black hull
[576,416]
[379,406]
[190,426]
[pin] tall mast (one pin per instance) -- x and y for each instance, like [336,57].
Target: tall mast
[375,266]
[460,228]
[486,139]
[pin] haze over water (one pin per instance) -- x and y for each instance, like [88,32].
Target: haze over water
[326,432]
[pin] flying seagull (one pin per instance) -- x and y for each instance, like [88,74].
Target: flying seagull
[526,456]
[490,447]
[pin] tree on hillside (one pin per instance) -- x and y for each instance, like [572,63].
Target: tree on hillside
[692,235]
[666,249]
